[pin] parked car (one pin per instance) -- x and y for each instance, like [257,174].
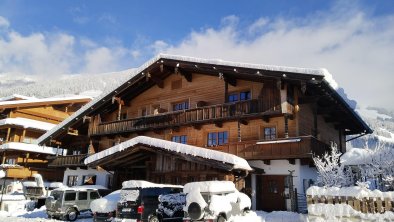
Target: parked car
[67,203]
[139,200]
[104,209]
[171,207]
[214,201]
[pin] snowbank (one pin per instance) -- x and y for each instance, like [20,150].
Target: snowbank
[32,148]
[356,156]
[106,204]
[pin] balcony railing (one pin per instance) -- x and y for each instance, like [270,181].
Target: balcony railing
[68,161]
[288,148]
[200,115]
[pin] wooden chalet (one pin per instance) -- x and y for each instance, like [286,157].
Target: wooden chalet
[274,117]
[24,119]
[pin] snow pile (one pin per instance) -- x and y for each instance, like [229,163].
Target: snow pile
[144,184]
[171,203]
[12,197]
[27,123]
[358,192]
[46,100]
[221,203]
[194,196]
[106,204]
[210,186]
[16,97]
[239,163]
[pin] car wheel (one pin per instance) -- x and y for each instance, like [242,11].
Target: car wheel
[195,211]
[221,219]
[72,214]
[153,219]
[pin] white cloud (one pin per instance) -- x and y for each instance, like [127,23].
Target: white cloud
[354,46]
[4,23]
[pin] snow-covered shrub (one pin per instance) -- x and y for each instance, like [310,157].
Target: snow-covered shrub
[330,172]
[380,166]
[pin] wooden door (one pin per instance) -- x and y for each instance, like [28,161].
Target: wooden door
[270,192]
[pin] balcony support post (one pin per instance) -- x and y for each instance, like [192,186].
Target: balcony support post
[286,126]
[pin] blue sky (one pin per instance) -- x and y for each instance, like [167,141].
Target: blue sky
[354,40]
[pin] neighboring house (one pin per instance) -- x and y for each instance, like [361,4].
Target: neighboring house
[181,119]
[24,119]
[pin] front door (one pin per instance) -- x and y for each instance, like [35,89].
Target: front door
[270,192]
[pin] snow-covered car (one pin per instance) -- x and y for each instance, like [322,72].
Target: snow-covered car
[67,203]
[214,201]
[104,209]
[171,207]
[139,200]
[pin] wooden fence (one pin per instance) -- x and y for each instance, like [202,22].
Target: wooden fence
[366,205]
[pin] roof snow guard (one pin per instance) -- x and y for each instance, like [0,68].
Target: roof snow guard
[231,161]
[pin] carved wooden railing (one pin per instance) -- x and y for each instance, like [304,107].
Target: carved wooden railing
[286,148]
[200,115]
[68,161]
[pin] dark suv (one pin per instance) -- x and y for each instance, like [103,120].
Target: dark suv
[139,200]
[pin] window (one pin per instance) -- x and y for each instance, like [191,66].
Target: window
[180,106]
[94,195]
[11,161]
[89,180]
[217,138]
[70,196]
[269,133]
[239,96]
[83,196]
[72,181]
[180,139]
[27,139]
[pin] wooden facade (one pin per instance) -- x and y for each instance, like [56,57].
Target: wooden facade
[20,164]
[254,112]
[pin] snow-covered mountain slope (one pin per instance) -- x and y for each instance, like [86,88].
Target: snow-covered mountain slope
[41,87]
[381,122]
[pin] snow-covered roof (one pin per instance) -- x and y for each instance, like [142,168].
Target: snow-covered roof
[237,162]
[356,156]
[34,148]
[27,123]
[145,184]
[210,186]
[45,100]
[15,97]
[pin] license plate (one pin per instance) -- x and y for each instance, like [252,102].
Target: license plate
[126,210]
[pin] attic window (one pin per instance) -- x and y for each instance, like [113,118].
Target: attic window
[176,84]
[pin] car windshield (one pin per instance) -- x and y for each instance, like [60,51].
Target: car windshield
[57,195]
[129,194]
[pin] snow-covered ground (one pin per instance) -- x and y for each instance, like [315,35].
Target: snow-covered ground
[39,215]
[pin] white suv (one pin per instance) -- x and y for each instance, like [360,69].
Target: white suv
[214,201]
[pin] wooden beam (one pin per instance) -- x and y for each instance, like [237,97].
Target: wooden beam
[218,124]
[243,121]
[231,80]
[188,75]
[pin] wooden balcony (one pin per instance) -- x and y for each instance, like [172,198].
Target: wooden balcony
[289,148]
[68,161]
[208,114]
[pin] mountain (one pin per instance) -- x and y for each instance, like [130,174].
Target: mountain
[40,87]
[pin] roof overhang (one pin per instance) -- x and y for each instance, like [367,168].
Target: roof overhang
[135,149]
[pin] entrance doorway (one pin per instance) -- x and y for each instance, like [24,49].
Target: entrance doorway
[270,191]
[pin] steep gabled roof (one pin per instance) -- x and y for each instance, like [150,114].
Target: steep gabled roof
[191,64]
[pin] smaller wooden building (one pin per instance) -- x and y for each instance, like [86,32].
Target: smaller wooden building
[24,119]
